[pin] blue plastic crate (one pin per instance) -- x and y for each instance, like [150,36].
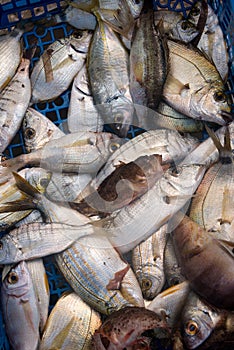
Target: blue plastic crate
[11,12]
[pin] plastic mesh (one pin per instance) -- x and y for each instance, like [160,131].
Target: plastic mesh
[40,36]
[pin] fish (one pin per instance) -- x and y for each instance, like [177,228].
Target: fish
[207,263]
[198,321]
[10,57]
[203,97]
[170,145]
[123,328]
[14,100]
[212,41]
[81,152]
[137,221]
[170,303]
[149,56]
[38,130]
[71,324]
[172,269]
[167,117]
[82,114]
[58,65]
[127,183]
[212,206]
[176,26]
[41,287]
[20,309]
[108,67]
[37,240]
[9,193]
[97,273]
[147,263]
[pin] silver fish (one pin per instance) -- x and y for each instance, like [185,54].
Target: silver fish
[82,114]
[108,65]
[38,130]
[194,86]
[58,65]
[20,310]
[41,287]
[14,100]
[198,320]
[147,263]
[71,325]
[107,291]
[10,56]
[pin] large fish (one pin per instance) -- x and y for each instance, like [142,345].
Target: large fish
[14,100]
[20,308]
[194,86]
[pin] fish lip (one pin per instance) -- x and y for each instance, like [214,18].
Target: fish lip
[227,117]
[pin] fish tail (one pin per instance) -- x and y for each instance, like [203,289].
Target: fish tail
[225,151]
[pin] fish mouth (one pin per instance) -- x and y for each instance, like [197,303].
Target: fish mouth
[227,117]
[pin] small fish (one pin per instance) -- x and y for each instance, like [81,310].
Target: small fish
[206,262]
[10,56]
[58,65]
[108,66]
[198,321]
[124,327]
[148,62]
[212,41]
[147,263]
[71,325]
[170,302]
[176,26]
[41,287]
[97,273]
[14,100]
[82,114]
[20,309]
[38,130]
[201,97]
[83,152]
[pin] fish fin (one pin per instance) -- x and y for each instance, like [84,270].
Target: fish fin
[25,186]
[225,151]
[227,246]
[201,22]
[174,86]
[115,283]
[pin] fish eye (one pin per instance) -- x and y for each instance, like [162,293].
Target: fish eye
[219,96]
[29,133]
[78,34]
[195,11]
[175,171]
[146,284]
[1,245]
[191,328]
[114,146]
[44,182]
[12,278]
[118,118]
[185,25]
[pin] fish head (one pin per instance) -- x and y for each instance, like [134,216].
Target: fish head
[9,251]
[198,322]
[151,284]
[212,104]
[38,178]
[185,31]
[16,280]
[80,40]
[195,12]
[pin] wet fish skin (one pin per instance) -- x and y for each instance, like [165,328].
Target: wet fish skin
[63,58]
[11,53]
[41,287]
[147,262]
[198,321]
[207,263]
[14,100]
[202,97]
[82,113]
[38,130]
[20,310]
[71,324]
[108,69]
[80,265]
